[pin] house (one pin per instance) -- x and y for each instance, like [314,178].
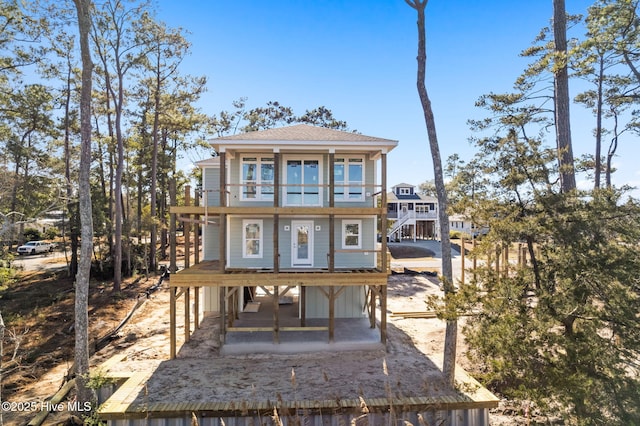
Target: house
[411,215]
[289,213]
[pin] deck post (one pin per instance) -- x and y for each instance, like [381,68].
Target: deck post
[196,230]
[223,324]
[373,291]
[302,300]
[276,217]
[196,308]
[383,233]
[223,217]
[332,220]
[186,226]
[172,322]
[332,313]
[187,314]
[172,271]
[276,314]
[172,229]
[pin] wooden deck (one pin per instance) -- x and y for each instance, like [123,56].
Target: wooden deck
[208,273]
[130,404]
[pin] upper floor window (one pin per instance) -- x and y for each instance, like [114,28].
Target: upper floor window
[404,191]
[303,182]
[257,178]
[348,179]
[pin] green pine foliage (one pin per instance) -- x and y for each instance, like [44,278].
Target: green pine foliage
[567,332]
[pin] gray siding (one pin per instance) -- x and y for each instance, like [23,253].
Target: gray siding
[236,240]
[348,305]
[357,259]
[211,185]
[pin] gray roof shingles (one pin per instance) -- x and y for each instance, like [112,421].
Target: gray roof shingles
[302,132]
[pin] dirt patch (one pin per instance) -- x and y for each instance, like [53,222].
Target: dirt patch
[38,311]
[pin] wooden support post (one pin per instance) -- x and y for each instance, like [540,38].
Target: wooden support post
[276,218]
[187,229]
[383,233]
[172,322]
[187,314]
[332,313]
[373,291]
[223,217]
[276,314]
[223,302]
[196,308]
[172,229]
[383,214]
[303,306]
[383,314]
[196,231]
[332,220]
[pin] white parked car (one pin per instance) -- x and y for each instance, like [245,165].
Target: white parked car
[34,247]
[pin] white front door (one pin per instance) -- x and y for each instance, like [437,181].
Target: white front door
[301,243]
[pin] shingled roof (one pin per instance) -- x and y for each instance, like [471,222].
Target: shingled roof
[302,132]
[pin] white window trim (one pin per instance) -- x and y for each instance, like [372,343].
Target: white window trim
[258,180]
[285,180]
[344,233]
[345,194]
[246,222]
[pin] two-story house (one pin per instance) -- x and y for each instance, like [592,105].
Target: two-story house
[411,215]
[291,211]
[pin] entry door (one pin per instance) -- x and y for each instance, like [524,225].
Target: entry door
[302,243]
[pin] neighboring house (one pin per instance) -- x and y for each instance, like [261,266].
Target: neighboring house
[411,215]
[298,213]
[462,223]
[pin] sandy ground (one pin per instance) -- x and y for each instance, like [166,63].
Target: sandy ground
[145,341]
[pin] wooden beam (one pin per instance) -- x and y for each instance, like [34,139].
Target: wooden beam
[383,213]
[284,211]
[172,322]
[187,315]
[332,314]
[187,229]
[276,217]
[196,308]
[276,314]
[172,230]
[303,305]
[196,231]
[332,219]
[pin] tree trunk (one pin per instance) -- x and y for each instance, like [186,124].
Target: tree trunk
[448,367]
[599,102]
[71,206]
[154,168]
[84,394]
[561,99]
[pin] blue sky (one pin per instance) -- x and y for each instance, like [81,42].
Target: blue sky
[358,58]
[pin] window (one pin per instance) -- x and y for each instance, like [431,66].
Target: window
[404,191]
[252,235]
[351,234]
[257,178]
[349,179]
[303,182]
